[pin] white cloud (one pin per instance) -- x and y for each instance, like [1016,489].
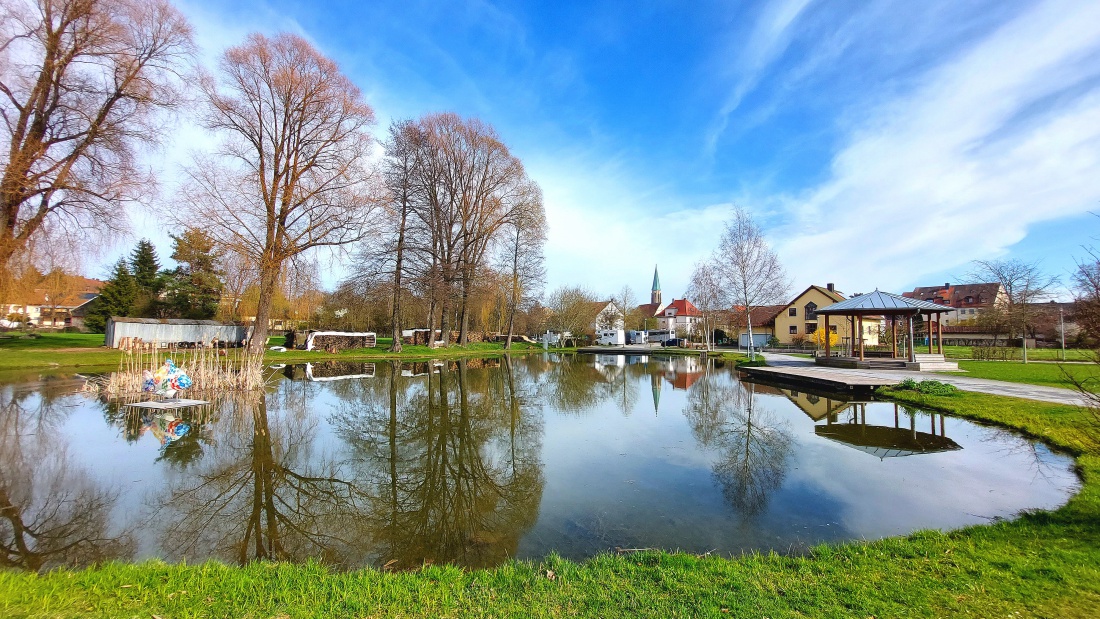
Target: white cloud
[999,138]
[608,228]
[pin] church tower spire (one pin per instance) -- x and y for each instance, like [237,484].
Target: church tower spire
[655,294]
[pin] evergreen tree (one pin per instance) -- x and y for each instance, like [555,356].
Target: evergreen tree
[116,298]
[145,268]
[195,286]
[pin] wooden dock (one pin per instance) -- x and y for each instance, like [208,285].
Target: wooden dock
[820,377]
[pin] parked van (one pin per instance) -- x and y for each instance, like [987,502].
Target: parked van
[658,336]
[637,337]
[610,337]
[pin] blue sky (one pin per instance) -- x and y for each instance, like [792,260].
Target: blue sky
[881,144]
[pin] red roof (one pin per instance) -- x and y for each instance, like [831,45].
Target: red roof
[683,307]
[960,295]
[649,309]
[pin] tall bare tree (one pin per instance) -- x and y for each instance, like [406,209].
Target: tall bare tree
[80,84]
[470,187]
[707,293]
[1023,283]
[521,259]
[749,268]
[403,151]
[293,172]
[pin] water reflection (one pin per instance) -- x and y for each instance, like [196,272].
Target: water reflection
[753,444]
[261,492]
[886,441]
[52,511]
[474,462]
[452,463]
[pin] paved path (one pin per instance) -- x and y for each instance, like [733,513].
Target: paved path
[980,385]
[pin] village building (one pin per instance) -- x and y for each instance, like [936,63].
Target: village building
[680,316]
[797,321]
[967,301]
[60,309]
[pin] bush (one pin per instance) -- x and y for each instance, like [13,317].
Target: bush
[927,387]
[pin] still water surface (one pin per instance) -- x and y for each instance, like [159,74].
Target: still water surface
[475,462]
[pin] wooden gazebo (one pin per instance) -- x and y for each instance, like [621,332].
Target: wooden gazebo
[880,303]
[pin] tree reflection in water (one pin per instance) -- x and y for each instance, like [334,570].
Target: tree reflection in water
[453,464]
[52,513]
[261,492]
[752,443]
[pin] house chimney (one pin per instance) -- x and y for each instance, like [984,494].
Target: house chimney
[830,287]
[947,284]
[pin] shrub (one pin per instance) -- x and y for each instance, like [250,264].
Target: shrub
[927,387]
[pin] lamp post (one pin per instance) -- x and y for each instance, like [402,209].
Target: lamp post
[1062,329]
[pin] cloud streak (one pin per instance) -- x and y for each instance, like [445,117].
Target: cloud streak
[1002,136]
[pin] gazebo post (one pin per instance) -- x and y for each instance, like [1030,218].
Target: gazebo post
[860,319]
[827,334]
[939,332]
[894,336]
[930,349]
[912,352]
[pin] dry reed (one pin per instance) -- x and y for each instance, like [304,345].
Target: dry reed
[212,371]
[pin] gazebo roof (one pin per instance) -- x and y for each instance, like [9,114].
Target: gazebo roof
[879,302]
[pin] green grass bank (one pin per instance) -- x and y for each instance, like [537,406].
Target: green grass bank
[84,351]
[1046,374]
[1043,564]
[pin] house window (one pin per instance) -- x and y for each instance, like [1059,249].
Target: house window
[794,329]
[832,328]
[969,299]
[792,312]
[811,327]
[811,311]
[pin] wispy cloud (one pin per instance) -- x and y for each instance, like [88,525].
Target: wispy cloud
[993,140]
[768,40]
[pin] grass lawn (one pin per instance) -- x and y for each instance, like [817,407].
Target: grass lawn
[85,351]
[1033,354]
[1047,374]
[1044,564]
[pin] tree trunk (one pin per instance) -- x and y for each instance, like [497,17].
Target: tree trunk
[464,314]
[269,276]
[511,313]
[395,346]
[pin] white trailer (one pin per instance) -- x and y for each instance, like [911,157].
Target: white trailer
[637,337]
[610,337]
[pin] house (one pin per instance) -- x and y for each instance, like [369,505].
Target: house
[63,306]
[680,316]
[968,300]
[796,321]
[607,316]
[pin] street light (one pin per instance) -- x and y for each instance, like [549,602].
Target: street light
[1062,329]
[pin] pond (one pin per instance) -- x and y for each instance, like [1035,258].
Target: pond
[478,461]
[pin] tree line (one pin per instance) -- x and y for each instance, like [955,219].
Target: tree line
[84,87]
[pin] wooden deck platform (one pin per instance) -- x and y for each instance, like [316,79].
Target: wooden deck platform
[820,377]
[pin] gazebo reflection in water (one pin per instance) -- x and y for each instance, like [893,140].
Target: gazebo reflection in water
[845,421]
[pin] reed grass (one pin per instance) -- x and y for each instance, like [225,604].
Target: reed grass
[212,371]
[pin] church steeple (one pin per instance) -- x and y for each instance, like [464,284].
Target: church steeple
[655,294]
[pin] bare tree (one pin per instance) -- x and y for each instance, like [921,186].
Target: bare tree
[469,188]
[626,308]
[403,150]
[708,294]
[572,309]
[748,268]
[292,174]
[80,84]
[1024,283]
[521,257]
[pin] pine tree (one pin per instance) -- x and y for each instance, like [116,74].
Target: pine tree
[195,286]
[116,298]
[145,268]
